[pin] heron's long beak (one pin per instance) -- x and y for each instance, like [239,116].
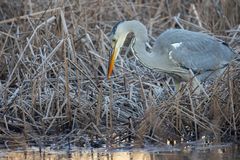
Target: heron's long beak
[112,59]
[116,45]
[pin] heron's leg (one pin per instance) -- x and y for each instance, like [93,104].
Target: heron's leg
[177,85]
[197,86]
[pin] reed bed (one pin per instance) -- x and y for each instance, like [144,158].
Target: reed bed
[53,86]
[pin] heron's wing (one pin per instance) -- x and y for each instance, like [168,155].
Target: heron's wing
[200,54]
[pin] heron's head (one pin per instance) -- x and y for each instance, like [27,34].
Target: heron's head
[118,36]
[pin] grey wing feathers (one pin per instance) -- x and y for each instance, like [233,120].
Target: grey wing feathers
[202,55]
[198,51]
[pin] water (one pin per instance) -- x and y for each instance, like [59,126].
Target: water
[223,152]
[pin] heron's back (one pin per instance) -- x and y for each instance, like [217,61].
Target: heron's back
[195,50]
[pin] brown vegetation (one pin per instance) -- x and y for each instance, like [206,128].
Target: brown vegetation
[53,86]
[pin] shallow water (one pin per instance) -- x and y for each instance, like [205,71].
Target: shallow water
[211,153]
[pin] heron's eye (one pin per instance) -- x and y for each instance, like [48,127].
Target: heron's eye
[113,43]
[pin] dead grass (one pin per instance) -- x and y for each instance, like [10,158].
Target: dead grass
[53,86]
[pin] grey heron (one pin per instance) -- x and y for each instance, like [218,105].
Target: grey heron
[177,52]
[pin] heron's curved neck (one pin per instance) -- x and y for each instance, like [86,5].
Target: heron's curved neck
[139,44]
[139,50]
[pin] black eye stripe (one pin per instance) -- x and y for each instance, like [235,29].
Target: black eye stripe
[115,27]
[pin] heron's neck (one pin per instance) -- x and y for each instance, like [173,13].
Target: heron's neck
[139,45]
[139,50]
